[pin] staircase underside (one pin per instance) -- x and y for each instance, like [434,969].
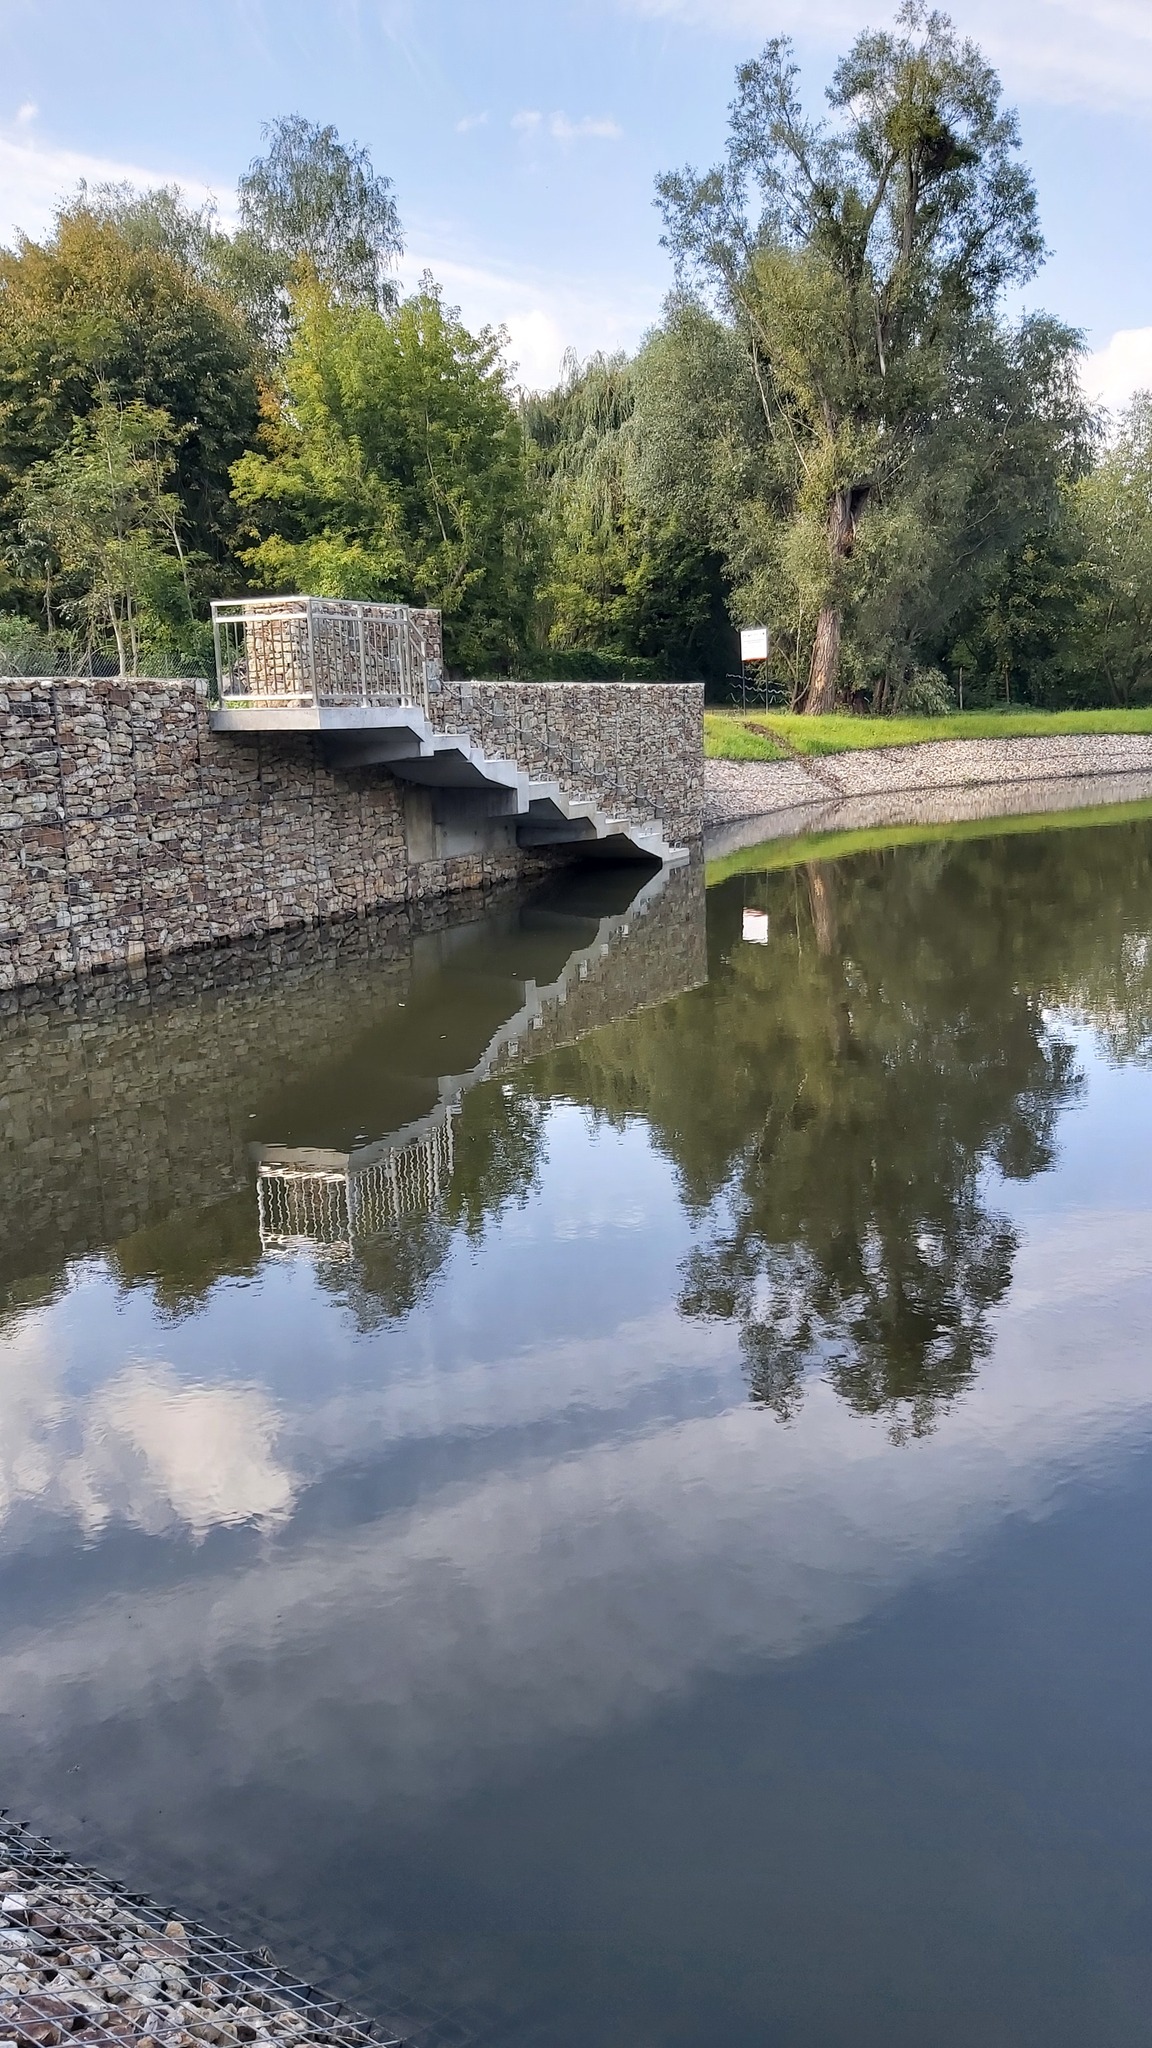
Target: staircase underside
[401,739]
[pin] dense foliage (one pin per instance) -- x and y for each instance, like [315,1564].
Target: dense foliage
[834,431]
[91,320]
[390,466]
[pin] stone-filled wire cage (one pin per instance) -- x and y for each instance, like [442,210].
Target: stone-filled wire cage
[325,651]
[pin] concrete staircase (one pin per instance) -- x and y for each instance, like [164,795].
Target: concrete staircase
[402,739]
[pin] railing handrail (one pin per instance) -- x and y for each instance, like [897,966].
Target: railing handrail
[314,662]
[294,607]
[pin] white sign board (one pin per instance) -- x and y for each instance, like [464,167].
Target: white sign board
[755,927]
[754,643]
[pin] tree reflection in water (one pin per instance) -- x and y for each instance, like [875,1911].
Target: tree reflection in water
[855,1235]
[840,1102]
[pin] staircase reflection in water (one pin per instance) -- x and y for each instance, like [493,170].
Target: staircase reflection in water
[329,1066]
[637,951]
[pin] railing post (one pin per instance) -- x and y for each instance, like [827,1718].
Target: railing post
[403,653]
[216,651]
[311,650]
[363,655]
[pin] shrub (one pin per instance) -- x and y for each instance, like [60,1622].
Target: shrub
[926,694]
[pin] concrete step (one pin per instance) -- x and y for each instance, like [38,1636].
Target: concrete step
[402,739]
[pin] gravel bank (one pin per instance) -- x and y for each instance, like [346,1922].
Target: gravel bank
[1047,773]
[79,1957]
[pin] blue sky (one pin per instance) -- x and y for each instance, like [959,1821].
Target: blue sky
[523,139]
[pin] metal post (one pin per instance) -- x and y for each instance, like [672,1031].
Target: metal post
[311,650]
[216,649]
[402,624]
[363,655]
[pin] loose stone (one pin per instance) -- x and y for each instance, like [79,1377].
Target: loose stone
[143,1983]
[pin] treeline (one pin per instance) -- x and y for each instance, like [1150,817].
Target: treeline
[835,430]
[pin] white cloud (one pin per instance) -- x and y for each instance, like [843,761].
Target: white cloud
[35,176]
[1074,52]
[471,121]
[562,128]
[609,1578]
[142,1448]
[599,126]
[1113,374]
[544,314]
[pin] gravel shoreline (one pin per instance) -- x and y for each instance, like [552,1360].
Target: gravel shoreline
[889,784]
[81,1958]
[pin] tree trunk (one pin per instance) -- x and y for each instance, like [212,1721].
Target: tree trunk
[820,695]
[822,903]
[824,672]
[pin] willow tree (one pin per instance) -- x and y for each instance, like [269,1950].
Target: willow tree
[1113,512]
[315,201]
[626,579]
[854,254]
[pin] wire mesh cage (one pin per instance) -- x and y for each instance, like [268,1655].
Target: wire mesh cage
[290,651]
[80,1956]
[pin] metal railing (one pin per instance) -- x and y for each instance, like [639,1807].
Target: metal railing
[334,1208]
[324,651]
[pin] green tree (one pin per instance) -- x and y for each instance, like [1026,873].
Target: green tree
[391,467]
[315,201]
[310,206]
[1113,504]
[854,256]
[239,268]
[625,579]
[89,317]
[100,513]
[1024,640]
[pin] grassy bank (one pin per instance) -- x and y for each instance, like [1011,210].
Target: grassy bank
[789,853]
[777,735]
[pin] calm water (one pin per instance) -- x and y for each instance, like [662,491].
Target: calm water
[590,1476]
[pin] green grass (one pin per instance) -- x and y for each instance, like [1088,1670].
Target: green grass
[733,735]
[789,853]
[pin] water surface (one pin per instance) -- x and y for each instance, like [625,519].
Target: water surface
[589,1476]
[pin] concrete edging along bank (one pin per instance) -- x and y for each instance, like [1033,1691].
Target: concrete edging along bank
[936,782]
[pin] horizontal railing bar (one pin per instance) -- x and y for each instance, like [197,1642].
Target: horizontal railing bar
[237,609]
[265,618]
